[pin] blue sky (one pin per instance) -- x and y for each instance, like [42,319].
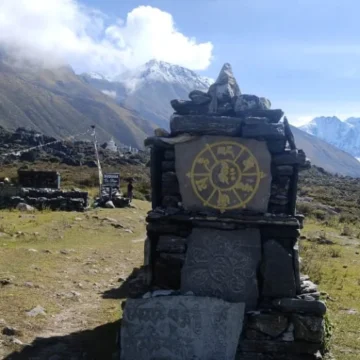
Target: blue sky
[304,55]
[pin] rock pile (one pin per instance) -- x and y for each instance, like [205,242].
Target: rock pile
[223,238]
[112,200]
[72,153]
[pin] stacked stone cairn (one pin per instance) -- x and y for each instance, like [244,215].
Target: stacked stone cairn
[221,277]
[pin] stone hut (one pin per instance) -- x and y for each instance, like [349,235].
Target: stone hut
[221,277]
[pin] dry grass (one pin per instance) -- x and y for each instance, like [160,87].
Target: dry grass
[336,269]
[67,263]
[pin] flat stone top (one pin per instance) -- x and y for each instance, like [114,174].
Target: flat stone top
[183,216]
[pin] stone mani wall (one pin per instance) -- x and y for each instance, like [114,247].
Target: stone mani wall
[42,199]
[224,228]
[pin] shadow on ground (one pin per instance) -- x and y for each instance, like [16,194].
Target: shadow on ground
[100,343]
[121,292]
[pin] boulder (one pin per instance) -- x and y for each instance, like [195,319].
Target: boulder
[24,207]
[269,324]
[300,306]
[109,205]
[308,328]
[250,102]
[186,107]
[199,97]
[224,89]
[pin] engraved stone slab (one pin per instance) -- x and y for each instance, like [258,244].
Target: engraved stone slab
[223,173]
[180,328]
[223,264]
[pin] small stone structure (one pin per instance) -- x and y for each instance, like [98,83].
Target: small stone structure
[39,179]
[223,238]
[41,189]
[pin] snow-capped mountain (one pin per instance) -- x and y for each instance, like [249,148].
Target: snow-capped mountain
[343,134]
[161,71]
[98,76]
[150,88]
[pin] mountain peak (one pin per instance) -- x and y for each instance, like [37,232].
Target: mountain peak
[345,135]
[157,71]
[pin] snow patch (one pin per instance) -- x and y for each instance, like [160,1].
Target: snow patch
[112,94]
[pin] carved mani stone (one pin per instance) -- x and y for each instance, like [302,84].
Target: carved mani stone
[180,328]
[223,264]
[224,173]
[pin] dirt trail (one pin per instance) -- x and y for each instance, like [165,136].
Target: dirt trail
[77,278]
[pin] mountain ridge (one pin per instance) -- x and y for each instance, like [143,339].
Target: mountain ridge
[344,135]
[57,102]
[150,88]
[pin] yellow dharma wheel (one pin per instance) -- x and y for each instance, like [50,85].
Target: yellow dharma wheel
[225,175]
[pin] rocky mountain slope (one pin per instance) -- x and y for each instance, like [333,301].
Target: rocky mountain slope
[150,88]
[326,155]
[343,134]
[59,103]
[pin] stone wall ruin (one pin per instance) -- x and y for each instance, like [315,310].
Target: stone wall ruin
[41,190]
[221,276]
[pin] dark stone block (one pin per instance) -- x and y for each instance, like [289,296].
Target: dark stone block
[169,184]
[278,209]
[168,165]
[263,131]
[278,271]
[273,116]
[167,275]
[205,125]
[166,228]
[187,107]
[171,244]
[292,157]
[170,201]
[173,259]
[272,325]
[215,225]
[300,306]
[268,346]
[282,170]
[276,146]
[169,154]
[274,356]
[273,232]
[252,334]
[308,328]
[279,200]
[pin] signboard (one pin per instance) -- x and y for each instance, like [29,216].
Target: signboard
[111,180]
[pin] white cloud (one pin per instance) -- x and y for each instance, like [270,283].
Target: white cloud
[64,31]
[112,94]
